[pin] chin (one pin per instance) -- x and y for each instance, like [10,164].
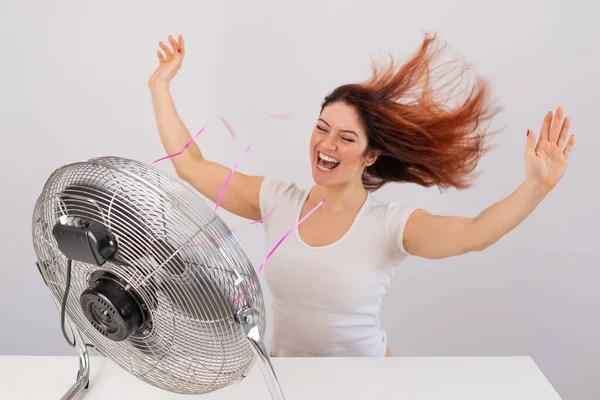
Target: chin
[319,180]
[324,178]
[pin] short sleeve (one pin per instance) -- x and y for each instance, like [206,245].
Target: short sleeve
[271,191]
[397,216]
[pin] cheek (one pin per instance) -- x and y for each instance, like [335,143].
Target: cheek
[312,144]
[352,157]
[313,140]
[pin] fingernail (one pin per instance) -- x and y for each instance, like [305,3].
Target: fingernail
[527,132]
[179,50]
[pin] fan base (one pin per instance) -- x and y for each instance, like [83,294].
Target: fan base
[247,318]
[83,375]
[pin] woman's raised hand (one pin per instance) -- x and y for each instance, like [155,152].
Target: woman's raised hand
[169,62]
[546,160]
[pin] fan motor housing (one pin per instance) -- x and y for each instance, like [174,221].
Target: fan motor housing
[83,240]
[111,309]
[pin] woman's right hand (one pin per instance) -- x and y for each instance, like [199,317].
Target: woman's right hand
[169,62]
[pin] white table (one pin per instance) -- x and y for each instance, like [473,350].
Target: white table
[426,378]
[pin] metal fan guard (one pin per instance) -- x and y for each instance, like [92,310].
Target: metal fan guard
[177,255]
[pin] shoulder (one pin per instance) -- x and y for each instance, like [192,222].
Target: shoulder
[393,217]
[393,211]
[275,187]
[275,191]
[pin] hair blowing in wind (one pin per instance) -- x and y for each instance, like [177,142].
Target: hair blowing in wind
[430,128]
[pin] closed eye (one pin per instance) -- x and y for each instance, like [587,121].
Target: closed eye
[347,139]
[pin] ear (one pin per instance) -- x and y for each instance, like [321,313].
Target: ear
[371,157]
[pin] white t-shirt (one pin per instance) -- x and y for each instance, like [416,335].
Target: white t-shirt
[327,300]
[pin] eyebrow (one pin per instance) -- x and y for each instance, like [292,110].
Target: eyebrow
[343,130]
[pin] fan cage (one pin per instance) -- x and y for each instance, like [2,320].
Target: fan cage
[177,255]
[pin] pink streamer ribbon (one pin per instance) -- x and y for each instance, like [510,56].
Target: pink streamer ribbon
[188,144]
[232,133]
[279,243]
[229,178]
[288,233]
[228,126]
[275,116]
[234,229]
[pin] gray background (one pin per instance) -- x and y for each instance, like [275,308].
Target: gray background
[74,78]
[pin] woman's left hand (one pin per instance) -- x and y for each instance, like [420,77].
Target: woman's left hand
[546,162]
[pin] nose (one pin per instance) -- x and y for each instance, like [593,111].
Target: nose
[329,142]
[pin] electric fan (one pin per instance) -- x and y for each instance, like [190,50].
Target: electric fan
[144,271]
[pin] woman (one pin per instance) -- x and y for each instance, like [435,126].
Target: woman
[329,277]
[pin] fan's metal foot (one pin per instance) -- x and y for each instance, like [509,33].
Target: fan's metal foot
[248,320]
[83,375]
[87,385]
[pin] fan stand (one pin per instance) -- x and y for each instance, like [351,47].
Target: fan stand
[83,375]
[246,318]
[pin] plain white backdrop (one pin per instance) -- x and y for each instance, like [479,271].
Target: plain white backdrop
[74,85]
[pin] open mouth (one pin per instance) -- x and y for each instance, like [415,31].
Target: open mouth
[326,163]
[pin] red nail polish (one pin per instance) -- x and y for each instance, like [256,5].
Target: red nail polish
[527,132]
[179,50]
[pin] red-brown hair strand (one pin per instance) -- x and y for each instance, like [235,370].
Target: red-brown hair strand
[422,138]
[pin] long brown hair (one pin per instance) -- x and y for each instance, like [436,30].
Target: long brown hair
[422,139]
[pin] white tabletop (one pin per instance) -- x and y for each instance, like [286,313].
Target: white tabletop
[427,378]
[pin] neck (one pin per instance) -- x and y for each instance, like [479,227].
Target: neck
[339,197]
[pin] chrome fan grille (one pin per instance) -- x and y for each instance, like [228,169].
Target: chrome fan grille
[194,344]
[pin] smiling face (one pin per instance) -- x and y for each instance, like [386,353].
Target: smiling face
[338,145]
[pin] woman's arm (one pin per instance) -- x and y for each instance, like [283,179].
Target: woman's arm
[173,133]
[434,236]
[208,177]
